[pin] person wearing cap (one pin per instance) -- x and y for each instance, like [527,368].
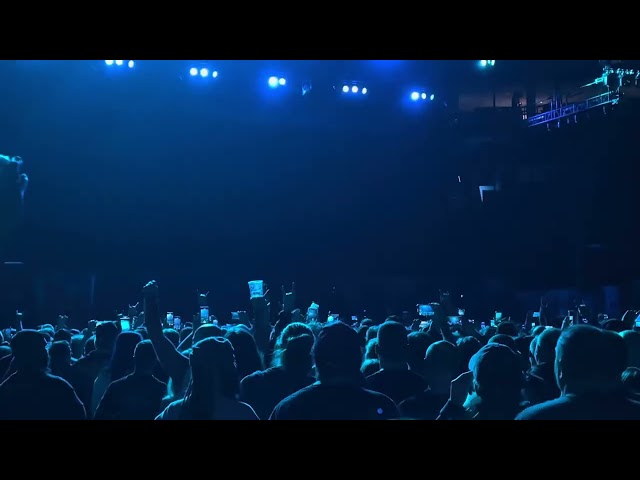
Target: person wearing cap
[394,379]
[496,377]
[339,393]
[31,393]
[589,364]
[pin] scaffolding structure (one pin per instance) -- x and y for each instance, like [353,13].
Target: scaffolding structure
[612,79]
[566,111]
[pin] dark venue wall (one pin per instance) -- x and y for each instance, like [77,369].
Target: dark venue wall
[153,178]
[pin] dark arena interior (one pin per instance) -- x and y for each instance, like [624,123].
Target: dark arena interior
[460,202]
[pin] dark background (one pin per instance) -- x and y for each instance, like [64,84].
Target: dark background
[146,173]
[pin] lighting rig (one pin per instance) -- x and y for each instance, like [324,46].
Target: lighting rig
[611,78]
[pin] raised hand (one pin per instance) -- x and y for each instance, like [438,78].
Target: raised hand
[261,303]
[134,310]
[203,300]
[151,308]
[63,321]
[289,298]
[567,322]
[150,289]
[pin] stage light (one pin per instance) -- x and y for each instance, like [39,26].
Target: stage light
[193,71]
[204,72]
[418,95]
[432,97]
[354,88]
[483,63]
[487,63]
[275,82]
[119,63]
[214,74]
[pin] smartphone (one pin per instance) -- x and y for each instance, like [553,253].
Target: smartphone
[425,310]
[638,321]
[536,314]
[483,325]
[424,324]
[235,317]
[461,312]
[571,318]
[354,318]
[177,323]
[493,323]
[454,320]
[498,316]
[204,315]
[471,321]
[170,319]
[125,324]
[533,325]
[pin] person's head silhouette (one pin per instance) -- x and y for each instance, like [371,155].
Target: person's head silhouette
[145,358]
[392,345]
[248,359]
[441,365]
[293,348]
[545,349]
[497,375]
[208,330]
[338,354]
[122,359]
[29,349]
[59,356]
[105,338]
[589,360]
[213,375]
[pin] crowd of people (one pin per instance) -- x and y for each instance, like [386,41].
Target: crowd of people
[146,366]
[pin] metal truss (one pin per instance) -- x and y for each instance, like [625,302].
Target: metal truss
[608,98]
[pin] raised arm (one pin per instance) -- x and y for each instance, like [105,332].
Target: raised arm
[173,362]
[261,325]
